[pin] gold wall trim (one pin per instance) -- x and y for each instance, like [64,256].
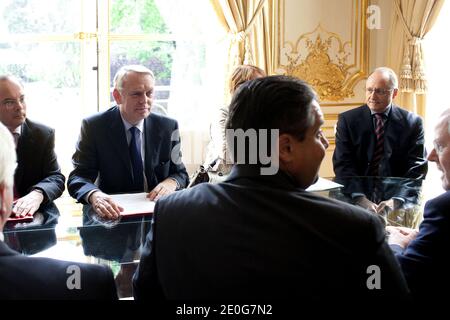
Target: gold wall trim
[321,57]
[350,104]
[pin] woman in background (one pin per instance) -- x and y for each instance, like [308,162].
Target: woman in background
[217,152]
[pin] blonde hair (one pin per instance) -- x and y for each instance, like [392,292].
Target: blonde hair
[7,157]
[244,73]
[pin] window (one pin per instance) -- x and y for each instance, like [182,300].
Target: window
[67,52]
[436,48]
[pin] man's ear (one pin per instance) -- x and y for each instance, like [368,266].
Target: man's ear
[117,96]
[285,147]
[2,202]
[394,94]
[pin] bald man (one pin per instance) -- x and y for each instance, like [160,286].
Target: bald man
[380,139]
[38,179]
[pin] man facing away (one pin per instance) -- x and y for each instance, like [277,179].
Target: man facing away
[259,234]
[380,139]
[23,277]
[127,148]
[38,179]
[423,255]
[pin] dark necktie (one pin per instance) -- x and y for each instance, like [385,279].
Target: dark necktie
[379,145]
[16,141]
[136,159]
[16,138]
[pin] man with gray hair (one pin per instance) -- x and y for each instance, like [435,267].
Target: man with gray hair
[38,179]
[379,139]
[424,255]
[24,277]
[127,148]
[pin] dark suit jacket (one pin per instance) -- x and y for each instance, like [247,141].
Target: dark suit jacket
[37,166]
[23,277]
[404,150]
[102,155]
[425,262]
[258,237]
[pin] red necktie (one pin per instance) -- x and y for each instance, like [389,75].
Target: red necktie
[379,145]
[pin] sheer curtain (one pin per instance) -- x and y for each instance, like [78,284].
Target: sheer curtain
[436,48]
[198,70]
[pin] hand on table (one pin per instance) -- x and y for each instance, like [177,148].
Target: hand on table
[365,203]
[401,236]
[28,204]
[104,206]
[164,188]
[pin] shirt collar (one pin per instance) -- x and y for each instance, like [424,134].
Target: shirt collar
[2,237]
[18,130]
[386,112]
[139,125]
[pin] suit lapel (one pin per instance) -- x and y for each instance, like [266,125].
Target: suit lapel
[24,151]
[152,146]
[393,131]
[367,122]
[118,138]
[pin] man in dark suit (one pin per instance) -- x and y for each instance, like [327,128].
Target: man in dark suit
[38,179]
[127,149]
[379,138]
[23,277]
[259,234]
[423,255]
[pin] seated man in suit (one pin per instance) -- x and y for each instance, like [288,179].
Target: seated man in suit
[259,234]
[38,179]
[380,139]
[424,255]
[127,148]
[23,277]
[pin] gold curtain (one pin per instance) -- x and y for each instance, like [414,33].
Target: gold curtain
[412,20]
[263,40]
[250,28]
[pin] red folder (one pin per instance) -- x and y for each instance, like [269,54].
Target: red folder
[26,218]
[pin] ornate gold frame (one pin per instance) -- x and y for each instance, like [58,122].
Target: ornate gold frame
[333,77]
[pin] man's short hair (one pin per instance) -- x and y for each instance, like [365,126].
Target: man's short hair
[274,102]
[123,72]
[388,73]
[12,78]
[7,156]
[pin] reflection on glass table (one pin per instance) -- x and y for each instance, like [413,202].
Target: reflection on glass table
[397,200]
[117,244]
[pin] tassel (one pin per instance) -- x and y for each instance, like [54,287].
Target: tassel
[406,84]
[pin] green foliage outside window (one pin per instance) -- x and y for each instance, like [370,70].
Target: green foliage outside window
[141,17]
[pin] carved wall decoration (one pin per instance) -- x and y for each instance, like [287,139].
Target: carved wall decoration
[326,72]
[332,57]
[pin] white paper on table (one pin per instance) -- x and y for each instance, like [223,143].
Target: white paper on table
[134,203]
[323,184]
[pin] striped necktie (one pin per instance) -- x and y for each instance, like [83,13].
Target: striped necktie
[379,145]
[16,138]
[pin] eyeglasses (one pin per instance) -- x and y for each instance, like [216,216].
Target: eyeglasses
[380,92]
[12,103]
[438,147]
